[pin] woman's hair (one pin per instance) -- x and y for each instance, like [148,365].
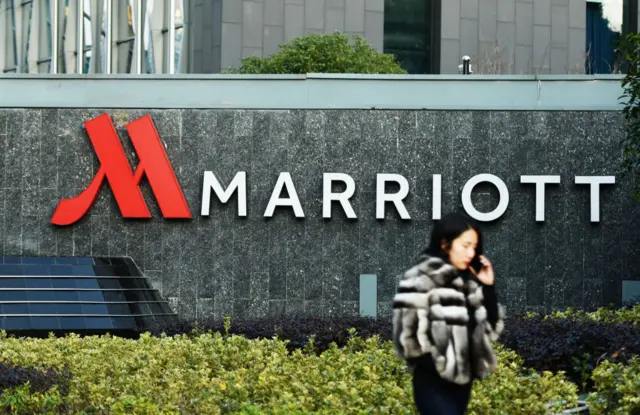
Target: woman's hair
[448,228]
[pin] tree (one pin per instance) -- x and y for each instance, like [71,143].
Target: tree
[630,49]
[322,53]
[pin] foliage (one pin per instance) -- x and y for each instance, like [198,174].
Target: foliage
[617,388]
[296,330]
[23,400]
[572,345]
[12,376]
[629,314]
[322,53]
[630,48]
[520,391]
[221,373]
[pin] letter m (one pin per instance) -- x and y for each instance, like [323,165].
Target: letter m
[114,166]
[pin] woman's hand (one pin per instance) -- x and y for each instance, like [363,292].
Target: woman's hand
[485,275]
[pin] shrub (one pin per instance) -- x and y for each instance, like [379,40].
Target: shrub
[322,53]
[39,381]
[573,346]
[630,48]
[629,314]
[511,389]
[215,373]
[295,330]
[23,400]
[617,388]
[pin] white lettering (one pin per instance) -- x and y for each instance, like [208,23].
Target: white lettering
[239,183]
[595,182]
[396,198]
[284,179]
[343,198]
[540,182]
[502,204]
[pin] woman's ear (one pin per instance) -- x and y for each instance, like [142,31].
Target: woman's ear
[443,245]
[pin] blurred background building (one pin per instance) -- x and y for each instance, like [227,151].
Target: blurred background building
[209,36]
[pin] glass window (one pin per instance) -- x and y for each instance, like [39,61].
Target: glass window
[607,22]
[411,33]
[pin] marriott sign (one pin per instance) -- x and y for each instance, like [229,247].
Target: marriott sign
[155,165]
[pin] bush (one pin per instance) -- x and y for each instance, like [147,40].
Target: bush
[295,330]
[23,400]
[629,314]
[511,389]
[322,53]
[617,388]
[573,346]
[630,48]
[39,381]
[215,373]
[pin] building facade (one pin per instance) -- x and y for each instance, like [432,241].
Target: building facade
[252,248]
[210,36]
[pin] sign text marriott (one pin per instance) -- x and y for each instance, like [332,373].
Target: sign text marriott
[155,166]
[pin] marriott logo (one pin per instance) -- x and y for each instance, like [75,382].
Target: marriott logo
[124,182]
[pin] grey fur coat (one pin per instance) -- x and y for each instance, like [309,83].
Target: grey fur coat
[432,311]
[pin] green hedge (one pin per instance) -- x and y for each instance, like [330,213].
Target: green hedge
[617,388]
[629,314]
[214,373]
[220,373]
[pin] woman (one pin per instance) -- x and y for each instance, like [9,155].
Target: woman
[446,315]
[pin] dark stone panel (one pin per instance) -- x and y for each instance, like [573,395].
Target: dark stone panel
[297,254]
[2,232]
[118,238]
[224,264]
[258,288]
[516,295]
[421,238]
[612,235]
[64,239]
[277,308]
[31,135]
[332,245]
[30,235]
[198,149]
[208,258]
[100,235]
[82,233]
[13,222]
[594,293]
[14,150]
[408,137]
[314,238]
[277,256]
[242,248]
[173,261]
[153,247]
[48,240]
[135,241]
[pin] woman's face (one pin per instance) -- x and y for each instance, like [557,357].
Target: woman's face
[463,249]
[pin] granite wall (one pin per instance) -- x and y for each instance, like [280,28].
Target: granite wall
[256,265]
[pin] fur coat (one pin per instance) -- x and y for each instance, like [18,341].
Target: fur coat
[439,313]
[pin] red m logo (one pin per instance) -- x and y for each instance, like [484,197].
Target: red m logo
[124,183]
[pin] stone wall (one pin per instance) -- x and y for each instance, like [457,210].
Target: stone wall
[255,265]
